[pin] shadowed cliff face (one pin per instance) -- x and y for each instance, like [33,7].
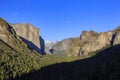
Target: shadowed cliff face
[29,34]
[9,36]
[42,45]
[15,56]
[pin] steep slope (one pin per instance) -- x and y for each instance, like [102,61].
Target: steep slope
[62,46]
[8,35]
[15,57]
[14,62]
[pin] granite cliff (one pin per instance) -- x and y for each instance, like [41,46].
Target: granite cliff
[94,41]
[10,38]
[29,34]
[89,41]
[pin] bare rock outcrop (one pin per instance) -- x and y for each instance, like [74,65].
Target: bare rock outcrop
[7,33]
[28,32]
[95,41]
[116,36]
[9,37]
[20,33]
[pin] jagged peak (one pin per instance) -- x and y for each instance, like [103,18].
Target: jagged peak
[86,34]
[91,31]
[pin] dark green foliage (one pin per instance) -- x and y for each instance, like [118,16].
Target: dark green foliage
[103,66]
[21,60]
[24,64]
[110,70]
[97,51]
[14,63]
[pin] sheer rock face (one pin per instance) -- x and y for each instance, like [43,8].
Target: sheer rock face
[89,42]
[116,36]
[28,32]
[9,37]
[95,41]
[14,36]
[117,39]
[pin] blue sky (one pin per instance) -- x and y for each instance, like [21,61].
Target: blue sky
[60,19]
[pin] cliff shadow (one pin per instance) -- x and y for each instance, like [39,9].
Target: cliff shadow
[31,45]
[42,45]
[51,51]
[85,69]
[113,38]
[12,30]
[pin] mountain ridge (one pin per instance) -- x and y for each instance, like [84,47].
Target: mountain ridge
[89,41]
[94,52]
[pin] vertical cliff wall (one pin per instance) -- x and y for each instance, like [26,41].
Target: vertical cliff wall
[29,34]
[90,41]
[9,38]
